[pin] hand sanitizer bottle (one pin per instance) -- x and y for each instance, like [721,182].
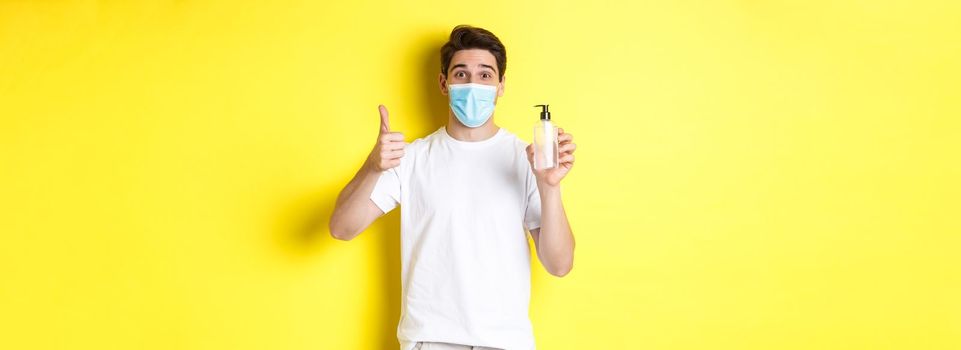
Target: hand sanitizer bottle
[545,141]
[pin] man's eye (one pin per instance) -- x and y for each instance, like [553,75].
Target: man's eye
[459,74]
[486,76]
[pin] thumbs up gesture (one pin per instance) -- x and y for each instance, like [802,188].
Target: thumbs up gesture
[390,145]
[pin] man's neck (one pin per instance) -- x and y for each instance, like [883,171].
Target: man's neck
[462,133]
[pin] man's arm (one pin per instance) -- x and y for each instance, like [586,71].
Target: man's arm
[554,240]
[555,248]
[354,210]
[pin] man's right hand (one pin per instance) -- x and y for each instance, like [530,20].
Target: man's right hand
[354,210]
[389,148]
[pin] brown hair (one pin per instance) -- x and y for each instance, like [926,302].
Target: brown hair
[465,37]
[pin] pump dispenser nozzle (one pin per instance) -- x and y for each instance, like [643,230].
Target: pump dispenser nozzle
[545,114]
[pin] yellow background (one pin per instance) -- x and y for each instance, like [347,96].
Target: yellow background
[750,174]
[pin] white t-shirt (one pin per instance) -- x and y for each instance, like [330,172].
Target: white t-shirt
[465,258]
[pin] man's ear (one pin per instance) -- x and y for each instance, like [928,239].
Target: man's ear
[442,80]
[500,86]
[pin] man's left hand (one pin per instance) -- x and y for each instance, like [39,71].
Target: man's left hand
[565,159]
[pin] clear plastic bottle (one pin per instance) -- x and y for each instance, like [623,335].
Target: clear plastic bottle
[545,141]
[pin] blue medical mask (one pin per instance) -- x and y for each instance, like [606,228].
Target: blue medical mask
[472,103]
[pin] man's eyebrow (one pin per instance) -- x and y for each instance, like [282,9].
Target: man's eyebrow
[461,65]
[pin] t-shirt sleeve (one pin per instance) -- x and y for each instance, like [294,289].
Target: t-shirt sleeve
[532,214]
[386,193]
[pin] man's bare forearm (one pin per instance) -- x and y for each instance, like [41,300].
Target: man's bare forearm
[556,241]
[364,179]
[349,216]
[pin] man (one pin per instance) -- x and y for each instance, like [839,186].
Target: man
[467,192]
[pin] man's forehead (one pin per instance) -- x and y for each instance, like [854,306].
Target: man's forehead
[473,58]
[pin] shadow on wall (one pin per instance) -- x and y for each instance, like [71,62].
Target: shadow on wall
[310,236]
[433,105]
